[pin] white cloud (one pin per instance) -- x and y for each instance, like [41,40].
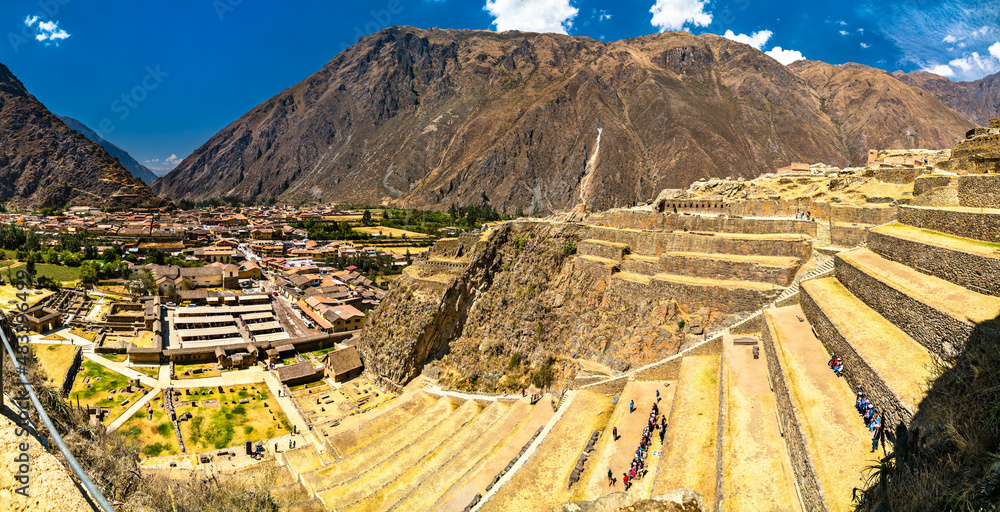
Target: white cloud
[785,57]
[995,50]
[949,39]
[602,15]
[842,23]
[674,14]
[941,69]
[982,31]
[844,32]
[47,32]
[861,30]
[865,45]
[974,63]
[172,160]
[532,15]
[757,39]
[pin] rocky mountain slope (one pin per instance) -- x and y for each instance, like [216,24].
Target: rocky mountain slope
[978,100]
[44,163]
[134,167]
[427,118]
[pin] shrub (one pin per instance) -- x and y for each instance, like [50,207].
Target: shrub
[166,429]
[514,361]
[568,249]
[519,243]
[680,324]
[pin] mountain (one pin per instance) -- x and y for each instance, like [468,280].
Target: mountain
[138,170]
[43,163]
[978,100]
[874,110]
[428,118]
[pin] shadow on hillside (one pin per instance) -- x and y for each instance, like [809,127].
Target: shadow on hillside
[948,457]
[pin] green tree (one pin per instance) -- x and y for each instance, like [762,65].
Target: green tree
[109,255]
[366,218]
[31,266]
[155,255]
[87,274]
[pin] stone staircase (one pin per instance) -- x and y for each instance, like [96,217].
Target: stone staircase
[895,310]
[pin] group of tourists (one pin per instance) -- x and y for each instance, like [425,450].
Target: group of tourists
[873,420]
[638,467]
[837,364]
[803,216]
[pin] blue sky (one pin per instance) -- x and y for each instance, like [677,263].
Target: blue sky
[159,77]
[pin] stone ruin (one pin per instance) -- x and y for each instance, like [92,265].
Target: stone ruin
[978,153]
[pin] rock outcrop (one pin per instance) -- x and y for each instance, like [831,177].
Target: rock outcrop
[43,163]
[542,122]
[978,100]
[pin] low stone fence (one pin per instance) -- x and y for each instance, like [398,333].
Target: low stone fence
[788,420]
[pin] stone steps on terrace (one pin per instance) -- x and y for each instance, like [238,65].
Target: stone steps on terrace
[970,263]
[377,451]
[542,483]
[688,457]
[887,363]
[976,223]
[756,472]
[936,313]
[358,431]
[406,481]
[364,482]
[476,467]
[618,455]
[836,441]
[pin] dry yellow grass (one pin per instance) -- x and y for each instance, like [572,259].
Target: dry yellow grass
[688,456]
[757,474]
[9,293]
[395,232]
[955,300]
[541,482]
[836,437]
[904,364]
[935,238]
[376,425]
[55,360]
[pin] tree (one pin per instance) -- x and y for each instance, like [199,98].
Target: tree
[31,266]
[87,274]
[366,218]
[385,214]
[171,293]
[155,255]
[409,259]
[109,255]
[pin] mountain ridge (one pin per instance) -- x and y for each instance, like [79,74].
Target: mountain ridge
[124,158]
[427,118]
[43,163]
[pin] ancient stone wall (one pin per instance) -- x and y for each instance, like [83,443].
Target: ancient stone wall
[651,243]
[725,299]
[595,270]
[848,235]
[983,226]
[857,370]
[924,183]
[727,269]
[602,249]
[805,473]
[979,190]
[633,219]
[898,175]
[932,328]
[969,270]
[874,215]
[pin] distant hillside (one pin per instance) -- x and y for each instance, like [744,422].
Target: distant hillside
[428,118]
[138,170]
[978,100]
[43,163]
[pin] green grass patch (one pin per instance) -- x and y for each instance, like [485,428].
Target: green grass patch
[231,423]
[58,272]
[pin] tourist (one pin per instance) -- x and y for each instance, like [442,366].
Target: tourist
[839,369]
[631,406]
[614,433]
[832,361]
[879,432]
[625,480]
[611,478]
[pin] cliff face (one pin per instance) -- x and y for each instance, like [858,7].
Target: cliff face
[978,100]
[44,163]
[427,118]
[518,290]
[873,110]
